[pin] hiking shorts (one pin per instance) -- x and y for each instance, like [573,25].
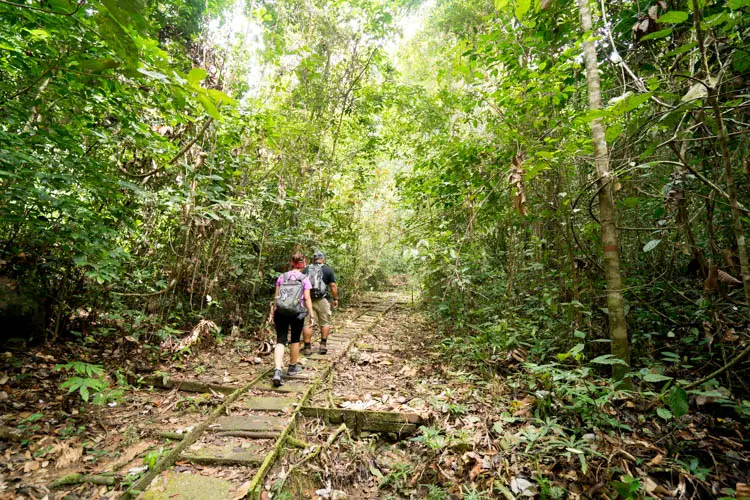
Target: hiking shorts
[321,314]
[284,324]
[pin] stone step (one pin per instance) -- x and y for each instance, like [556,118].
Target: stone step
[297,386]
[270,403]
[251,423]
[230,452]
[188,486]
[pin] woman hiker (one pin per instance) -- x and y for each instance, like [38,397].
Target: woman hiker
[293,303]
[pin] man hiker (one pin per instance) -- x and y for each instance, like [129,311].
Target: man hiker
[324,287]
[292,305]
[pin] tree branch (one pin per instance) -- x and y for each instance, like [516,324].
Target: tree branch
[45,11]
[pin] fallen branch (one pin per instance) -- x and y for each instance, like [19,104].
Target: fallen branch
[721,370]
[313,454]
[169,459]
[72,479]
[182,385]
[298,443]
[175,436]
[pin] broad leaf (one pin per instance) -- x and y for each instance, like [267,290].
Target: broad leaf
[677,401]
[655,377]
[673,17]
[651,245]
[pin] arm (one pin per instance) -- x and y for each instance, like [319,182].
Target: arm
[308,301]
[335,293]
[273,306]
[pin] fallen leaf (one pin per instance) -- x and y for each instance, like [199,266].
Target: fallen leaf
[68,455]
[657,460]
[241,491]
[731,336]
[30,466]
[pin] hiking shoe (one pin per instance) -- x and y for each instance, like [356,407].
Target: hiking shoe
[277,378]
[293,370]
[307,351]
[323,349]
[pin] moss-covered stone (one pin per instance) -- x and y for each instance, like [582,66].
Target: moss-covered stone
[232,452]
[253,423]
[172,485]
[288,387]
[278,403]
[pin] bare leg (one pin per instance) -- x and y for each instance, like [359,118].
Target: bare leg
[293,353]
[307,334]
[324,331]
[278,355]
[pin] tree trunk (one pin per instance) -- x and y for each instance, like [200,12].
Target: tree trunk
[618,329]
[721,133]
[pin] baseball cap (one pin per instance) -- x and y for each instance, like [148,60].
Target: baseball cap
[318,255]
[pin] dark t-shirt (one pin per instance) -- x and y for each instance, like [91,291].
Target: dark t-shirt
[328,276]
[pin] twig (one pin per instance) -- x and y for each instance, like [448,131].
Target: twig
[72,479]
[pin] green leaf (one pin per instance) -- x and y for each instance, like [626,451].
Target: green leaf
[127,12]
[613,132]
[664,413]
[522,7]
[628,103]
[651,245]
[608,359]
[209,106]
[655,377]
[195,76]
[673,17]
[220,97]
[738,4]
[682,49]
[154,74]
[117,38]
[657,34]
[501,4]
[677,401]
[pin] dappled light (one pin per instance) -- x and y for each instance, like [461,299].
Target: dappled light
[376,249]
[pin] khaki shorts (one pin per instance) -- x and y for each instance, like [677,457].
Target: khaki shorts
[321,314]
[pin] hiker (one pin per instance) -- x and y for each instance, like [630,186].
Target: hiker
[322,280]
[293,304]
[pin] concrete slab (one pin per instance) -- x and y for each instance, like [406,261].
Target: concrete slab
[278,403]
[252,423]
[298,387]
[186,486]
[231,452]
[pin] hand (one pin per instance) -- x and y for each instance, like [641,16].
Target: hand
[335,303]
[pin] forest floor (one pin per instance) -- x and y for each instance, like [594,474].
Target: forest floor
[489,432]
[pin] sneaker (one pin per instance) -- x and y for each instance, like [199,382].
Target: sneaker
[307,351]
[277,378]
[293,370]
[323,349]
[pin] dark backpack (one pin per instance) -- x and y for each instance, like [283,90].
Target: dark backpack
[319,288]
[289,297]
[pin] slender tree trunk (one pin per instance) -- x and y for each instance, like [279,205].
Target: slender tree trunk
[618,329]
[721,133]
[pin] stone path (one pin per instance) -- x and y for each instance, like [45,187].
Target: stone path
[256,427]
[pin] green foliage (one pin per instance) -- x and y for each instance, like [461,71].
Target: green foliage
[627,487]
[90,381]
